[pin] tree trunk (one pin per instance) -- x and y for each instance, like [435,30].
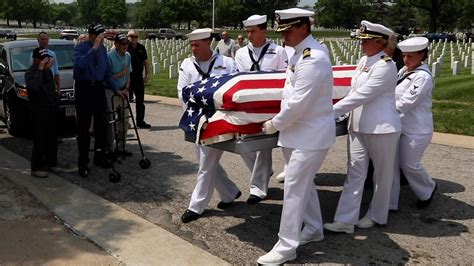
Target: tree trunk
[34,23]
[189,24]
[19,23]
[8,22]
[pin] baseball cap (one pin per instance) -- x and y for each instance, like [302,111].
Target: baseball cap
[40,53]
[95,28]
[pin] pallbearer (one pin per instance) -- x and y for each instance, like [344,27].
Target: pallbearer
[259,54]
[306,125]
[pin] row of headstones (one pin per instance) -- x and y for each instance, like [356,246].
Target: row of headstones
[348,52]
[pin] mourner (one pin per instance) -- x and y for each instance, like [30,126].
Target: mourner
[259,54]
[203,64]
[225,45]
[91,73]
[117,107]
[374,130]
[413,102]
[43,42]
[43,101]
[306,108]
[138,77]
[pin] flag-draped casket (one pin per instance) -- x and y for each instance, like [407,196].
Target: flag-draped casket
[224,107]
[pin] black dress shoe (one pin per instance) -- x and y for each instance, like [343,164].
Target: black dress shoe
[143,125]
[224,205]
[253,199]
[189,216]
[421,204]
[83,171]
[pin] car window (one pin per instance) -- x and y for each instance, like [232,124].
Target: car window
[21,57]
[63,54]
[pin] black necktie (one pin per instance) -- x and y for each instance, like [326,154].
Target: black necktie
[255,65]
[208,73]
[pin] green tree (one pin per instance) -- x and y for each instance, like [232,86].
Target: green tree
[113,12]
[88,11]
[147,14]
[341,13]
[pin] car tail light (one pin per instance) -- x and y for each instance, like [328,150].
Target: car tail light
[22,92]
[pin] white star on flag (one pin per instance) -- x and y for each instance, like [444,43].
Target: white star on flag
[204,101]
[190,111]
[215,84]
[204,81]
[200,111]
[191,125]
[200,90]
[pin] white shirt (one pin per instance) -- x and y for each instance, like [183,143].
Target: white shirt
[188,73]
[275,57]
[306,120]
[413,100]
[372,97]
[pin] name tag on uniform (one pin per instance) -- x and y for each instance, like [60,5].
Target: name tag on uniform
[220,67]
[270,51]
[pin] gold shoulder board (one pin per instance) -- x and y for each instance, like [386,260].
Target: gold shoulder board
[306,53]
[386,58]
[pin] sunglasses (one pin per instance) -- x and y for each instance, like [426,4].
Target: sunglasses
[133,36]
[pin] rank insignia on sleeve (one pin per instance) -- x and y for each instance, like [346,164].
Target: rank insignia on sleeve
[386,58]
[306,53]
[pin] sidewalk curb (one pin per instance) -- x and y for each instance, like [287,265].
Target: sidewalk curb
[460,141]
[127,237]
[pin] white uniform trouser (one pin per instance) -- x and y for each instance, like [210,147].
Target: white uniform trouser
[210,175]
[260,164]
[381,149]
[410,151]
[300,199]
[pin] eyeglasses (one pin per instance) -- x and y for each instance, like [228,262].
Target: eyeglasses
[240,38]
[133,36]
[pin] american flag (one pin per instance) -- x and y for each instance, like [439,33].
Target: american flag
[222,107]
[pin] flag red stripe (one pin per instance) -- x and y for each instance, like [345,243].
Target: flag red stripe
[223,127]
[254,107]
[251,84]
[342,81]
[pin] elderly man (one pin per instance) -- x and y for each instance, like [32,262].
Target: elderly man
[224,46]
[307,131]
[137,80]
[239,44]
[259,54]
[91,73]
[121,65]
[203,64]
[43,42]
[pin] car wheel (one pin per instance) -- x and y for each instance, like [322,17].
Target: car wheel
[11,120]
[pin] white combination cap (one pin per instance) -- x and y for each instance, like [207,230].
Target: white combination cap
[255,20]
[369,30]
[199,34]
[414,44]
[286,18]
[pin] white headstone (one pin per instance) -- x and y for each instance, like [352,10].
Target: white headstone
[456,68]
[173,73]
[436,69]
[165,64]
[156,68]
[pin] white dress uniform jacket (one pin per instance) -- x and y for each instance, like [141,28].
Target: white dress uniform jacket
[373,102]
[210,174]
[306,119]
[413,100]
[274,59]
[260,162]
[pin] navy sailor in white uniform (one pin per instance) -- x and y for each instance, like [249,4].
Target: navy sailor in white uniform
[374,130]
[413,102]
[260,54]
[307,130]
[205,63]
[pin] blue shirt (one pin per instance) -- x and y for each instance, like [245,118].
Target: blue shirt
[54,68]
[91,64]
[118,63]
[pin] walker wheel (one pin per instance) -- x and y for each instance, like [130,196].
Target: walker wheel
[114,177]
[145,164]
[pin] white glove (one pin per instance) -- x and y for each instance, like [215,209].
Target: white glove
[268,128]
